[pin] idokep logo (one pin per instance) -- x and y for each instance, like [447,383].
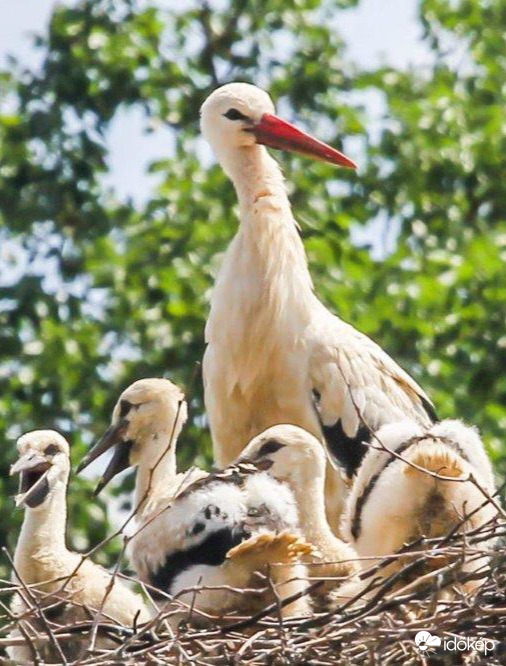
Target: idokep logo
[426,642]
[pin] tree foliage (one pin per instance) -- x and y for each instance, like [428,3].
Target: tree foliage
[97,292]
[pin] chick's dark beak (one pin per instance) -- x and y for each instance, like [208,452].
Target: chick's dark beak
[31,461]
[33,469]
[120,460]
[114,437]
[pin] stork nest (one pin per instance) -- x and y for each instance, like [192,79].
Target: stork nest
[432,591]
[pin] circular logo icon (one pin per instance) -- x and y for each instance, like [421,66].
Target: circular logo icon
[425,640]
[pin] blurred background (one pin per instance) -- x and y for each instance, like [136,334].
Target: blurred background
[113,214]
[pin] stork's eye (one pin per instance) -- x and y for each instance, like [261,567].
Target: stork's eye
[52,450]
[270,446]
[234,114]
[124,408]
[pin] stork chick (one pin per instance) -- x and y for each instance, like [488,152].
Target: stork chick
[296,458]
[274,353]
[194,529]
[395,501]
[43,562]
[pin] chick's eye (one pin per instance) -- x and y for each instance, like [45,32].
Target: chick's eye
[270,446]
[234,114]
[51,450]
[124,408]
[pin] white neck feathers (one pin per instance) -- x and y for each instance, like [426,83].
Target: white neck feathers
[268,229]
[264,281]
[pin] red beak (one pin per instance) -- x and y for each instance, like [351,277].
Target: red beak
[276,133]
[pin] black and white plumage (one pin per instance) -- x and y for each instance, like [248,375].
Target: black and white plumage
[197,528]
[71,590]
[393,503]
[224,513]
[275,354]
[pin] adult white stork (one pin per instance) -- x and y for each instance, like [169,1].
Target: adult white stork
[274,353]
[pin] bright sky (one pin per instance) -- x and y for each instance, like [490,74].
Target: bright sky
[378,31]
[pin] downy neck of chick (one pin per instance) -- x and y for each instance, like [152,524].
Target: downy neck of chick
[156,471]
[42,533]
[308,488]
